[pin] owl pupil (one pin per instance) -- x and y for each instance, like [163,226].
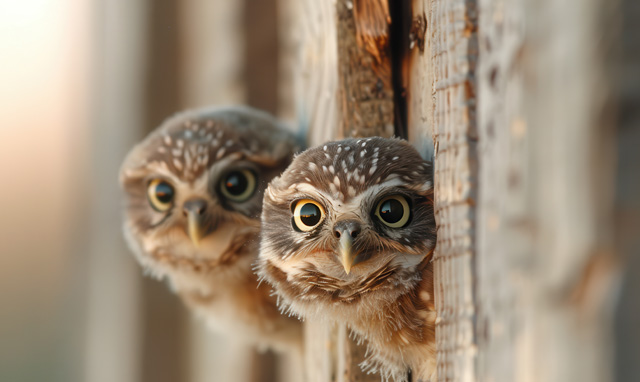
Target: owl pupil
[310,214]
[164,192]
[236,183]
[391,211]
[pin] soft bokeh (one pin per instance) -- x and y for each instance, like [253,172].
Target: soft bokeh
[81,81]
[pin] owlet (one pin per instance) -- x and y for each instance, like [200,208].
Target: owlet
[193,190]
[348,233]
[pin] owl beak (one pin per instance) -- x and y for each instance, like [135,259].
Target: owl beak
[346,254]
[346,231]
[194,228]
[194,210]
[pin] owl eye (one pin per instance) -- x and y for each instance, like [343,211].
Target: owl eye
[307,214]
[160,194]
[238,186]
[393,211]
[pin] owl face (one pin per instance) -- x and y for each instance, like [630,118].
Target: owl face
[346,225]
[194,188]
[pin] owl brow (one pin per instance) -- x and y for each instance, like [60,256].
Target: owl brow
[301,195]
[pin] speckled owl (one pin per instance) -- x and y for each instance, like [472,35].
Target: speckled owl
[348,235]
[193,198]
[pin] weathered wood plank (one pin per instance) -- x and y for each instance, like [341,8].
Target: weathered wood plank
[365,87]
[310,62]
[545,273]
[451,29]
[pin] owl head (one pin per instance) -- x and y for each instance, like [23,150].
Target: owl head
[347,226]
[194,187]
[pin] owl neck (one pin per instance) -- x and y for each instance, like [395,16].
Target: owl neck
[409,320]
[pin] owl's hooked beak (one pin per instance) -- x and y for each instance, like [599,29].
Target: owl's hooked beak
[194,210]
[346,254]
[347,230]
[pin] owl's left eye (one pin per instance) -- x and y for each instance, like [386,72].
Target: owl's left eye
[393,211]
[160,194]
[307,214]
[238,186]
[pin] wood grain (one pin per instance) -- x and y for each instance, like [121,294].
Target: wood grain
[364,68]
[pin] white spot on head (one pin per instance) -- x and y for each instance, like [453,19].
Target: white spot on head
[325,169]
[364,144]
[220,153]
[167,140]
[188,134]
[336,181]
[347,148]
[372,170]
[180,143]
[324,148]
[332,169]
[229,143]
[215,143]
[162,150]
[352,191]
[327,156]
[339,150]
[395,158]
[362,153]
[176,152]
[308,180]
[177,164]
[333,188]
[312,166]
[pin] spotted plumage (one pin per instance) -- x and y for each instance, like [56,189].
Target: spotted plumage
[348,233]
[193,198]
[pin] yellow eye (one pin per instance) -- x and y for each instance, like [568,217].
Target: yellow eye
[307,214]
[238,186]
[160,194]
[393,211]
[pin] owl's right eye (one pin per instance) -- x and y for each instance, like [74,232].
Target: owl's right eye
[307,214]
[160,194]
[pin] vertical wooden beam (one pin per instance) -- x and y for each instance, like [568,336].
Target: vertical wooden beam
[452,30]
[115,308]
[365,89]
[309,63]
[164,340]
[260,25]
[546,274]
[626,88]
[419,80]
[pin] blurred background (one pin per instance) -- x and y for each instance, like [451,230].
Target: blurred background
[81,81]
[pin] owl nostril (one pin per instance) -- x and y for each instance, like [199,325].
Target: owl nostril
[198,206]
[351,231]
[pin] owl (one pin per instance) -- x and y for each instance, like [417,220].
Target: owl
[193,194]
[348,233]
